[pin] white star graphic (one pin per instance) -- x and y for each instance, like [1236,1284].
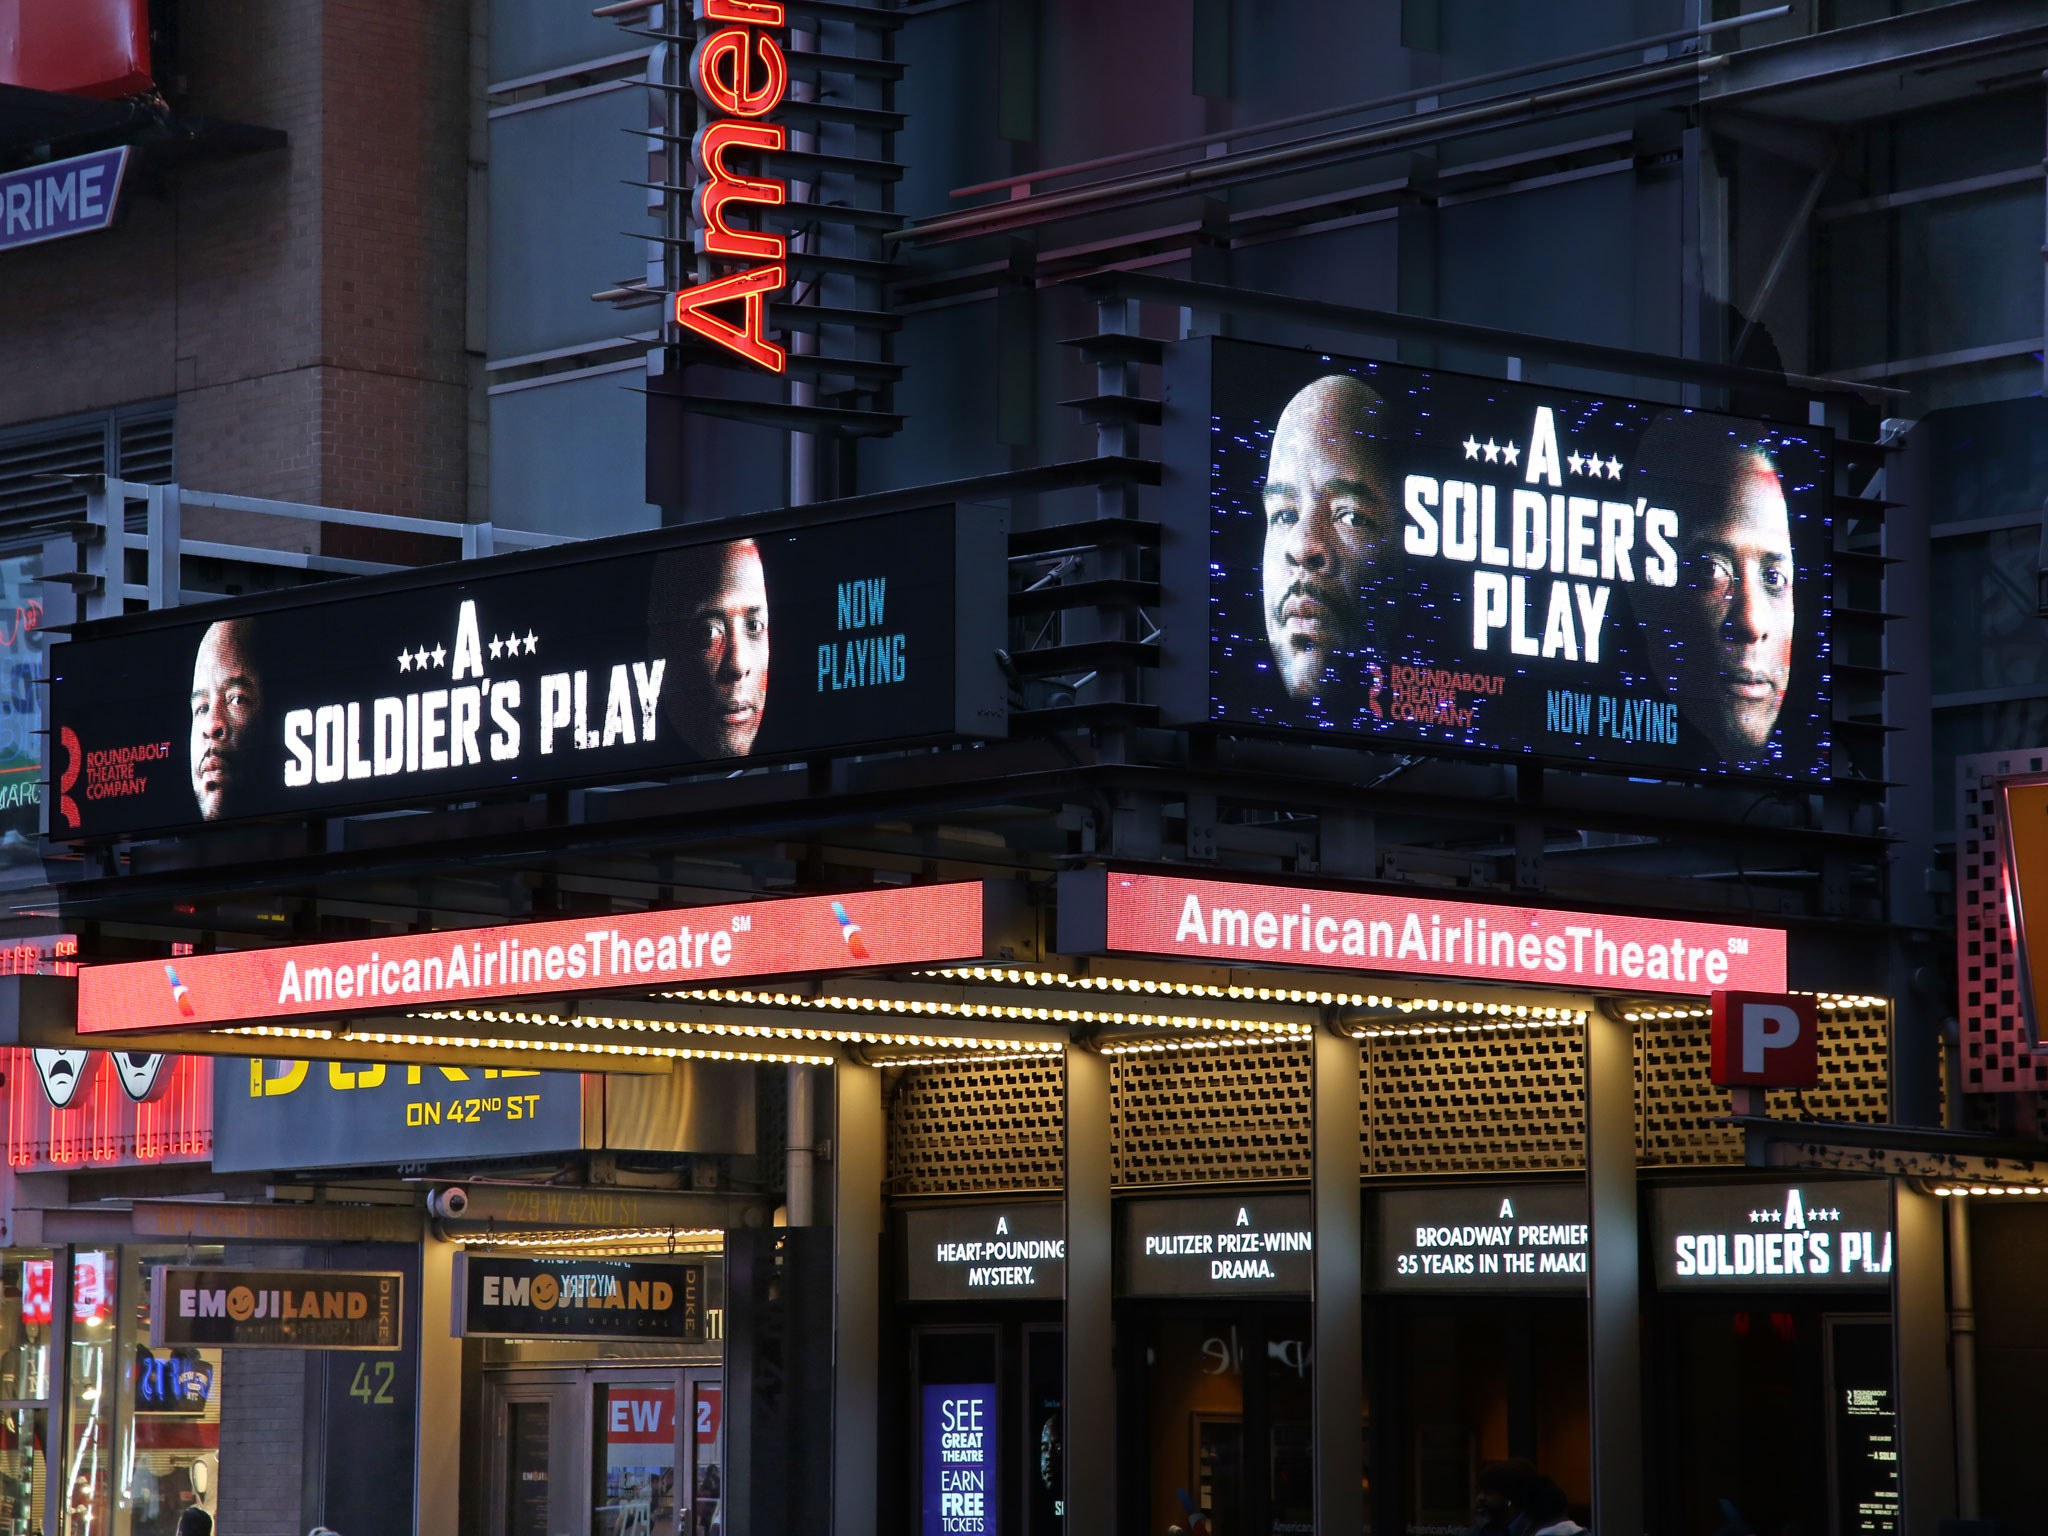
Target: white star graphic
[1575,461]
[440,656]
[405,661]
[1752,1216]
[496,647]
[1471,448]
[419,659]
[1492,451]
[1614,469]
[531,642]
[1511,454]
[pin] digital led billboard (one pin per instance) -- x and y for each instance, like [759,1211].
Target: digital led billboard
[907,925]
[1364,551]
[1110,912]
[620,659]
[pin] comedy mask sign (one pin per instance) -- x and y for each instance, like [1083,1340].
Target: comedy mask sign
[1366,550]
[619,659]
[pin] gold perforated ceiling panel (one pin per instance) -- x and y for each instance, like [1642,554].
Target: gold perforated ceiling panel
[1210,1116]
[977,1129]
[1483,1100]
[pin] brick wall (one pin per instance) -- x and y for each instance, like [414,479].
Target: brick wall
[263,1427]
[305,307]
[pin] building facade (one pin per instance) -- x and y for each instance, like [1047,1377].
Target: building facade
[1179,1019]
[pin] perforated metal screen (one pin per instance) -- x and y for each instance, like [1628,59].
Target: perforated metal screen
[977,1129]
[1481,1101]
[1997,1055]
[1210,1115]
[1676,1106]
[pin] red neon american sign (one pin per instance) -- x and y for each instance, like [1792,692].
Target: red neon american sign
[1279,925]
[915,925]
[740,73]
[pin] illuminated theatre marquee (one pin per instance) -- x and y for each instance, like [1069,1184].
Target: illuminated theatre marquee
[915,925]
[1273,925]
[741,73]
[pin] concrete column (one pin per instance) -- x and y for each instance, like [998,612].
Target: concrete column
[439,1432]
[1614,1290]
[1926,1430]
[1338,1288]
[1962,1328]
[858,1148]
[1088,1406]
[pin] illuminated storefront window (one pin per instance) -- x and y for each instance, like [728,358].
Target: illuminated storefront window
[141,1436]
[26,1300]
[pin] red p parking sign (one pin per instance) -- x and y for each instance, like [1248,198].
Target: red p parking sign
[1765,1040]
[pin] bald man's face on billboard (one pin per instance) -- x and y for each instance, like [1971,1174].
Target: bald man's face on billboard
[1329,525]
[227,707]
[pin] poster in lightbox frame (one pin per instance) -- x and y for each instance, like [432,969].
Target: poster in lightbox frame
[740,642]
[1592,620]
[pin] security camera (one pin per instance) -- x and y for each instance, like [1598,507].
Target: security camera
[448,1204]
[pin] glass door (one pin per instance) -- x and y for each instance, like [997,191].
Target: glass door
[610,1450]
[532,1470]
[704,1502]
[1222,1398]
[635,1470]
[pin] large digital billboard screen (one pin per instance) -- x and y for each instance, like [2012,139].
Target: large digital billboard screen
[615,660]
[1366,551]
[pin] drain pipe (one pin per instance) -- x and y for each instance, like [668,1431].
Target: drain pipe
[1962,1332]
[800,1165]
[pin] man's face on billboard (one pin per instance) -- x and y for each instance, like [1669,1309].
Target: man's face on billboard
[1329,522]
[723,671]
[227,701]
[1733,622]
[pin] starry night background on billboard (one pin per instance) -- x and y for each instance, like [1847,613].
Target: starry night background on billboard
[1433,558]
[598,665]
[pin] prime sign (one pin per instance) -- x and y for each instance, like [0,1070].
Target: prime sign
[741,75]
[1765,1040]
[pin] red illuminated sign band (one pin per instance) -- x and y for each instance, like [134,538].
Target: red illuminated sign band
[1394,935]
[743,75]
[917,925]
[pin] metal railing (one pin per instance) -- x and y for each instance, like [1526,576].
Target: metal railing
[105,584]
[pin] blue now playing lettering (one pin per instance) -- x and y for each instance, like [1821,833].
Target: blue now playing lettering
[861,660]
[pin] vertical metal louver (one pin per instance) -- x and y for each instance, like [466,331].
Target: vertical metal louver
[42,467]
